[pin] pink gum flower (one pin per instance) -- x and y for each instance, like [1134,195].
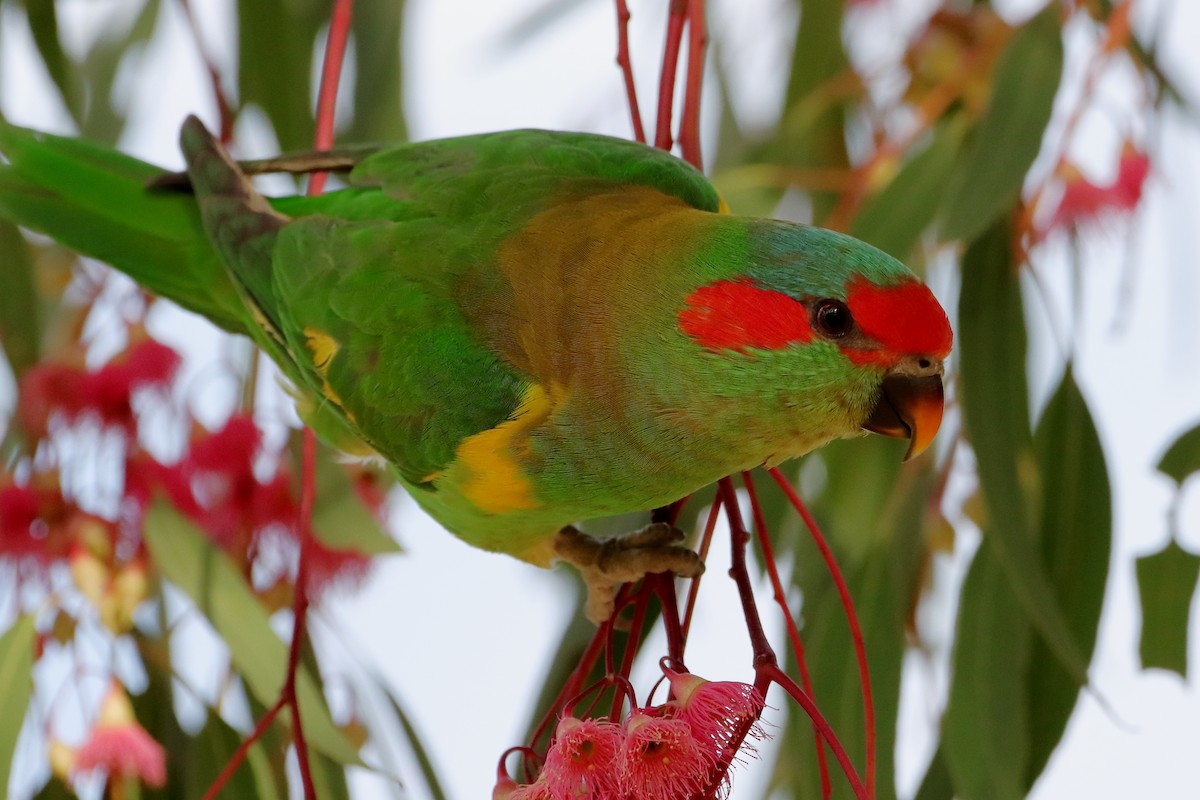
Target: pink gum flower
[663,760]
[121,746]
[583,762]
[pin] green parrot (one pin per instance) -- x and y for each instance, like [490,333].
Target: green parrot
[532,328]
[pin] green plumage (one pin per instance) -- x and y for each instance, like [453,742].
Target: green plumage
[500,317]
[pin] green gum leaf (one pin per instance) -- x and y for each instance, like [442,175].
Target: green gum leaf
[877,538]
[994,396]
[1166,585]
[275,64]
[1076,542]
[16,688]
[340,520]
[1009,134]
[1183,457]
[894,219]
[189,560]
[19,324]
[985,736]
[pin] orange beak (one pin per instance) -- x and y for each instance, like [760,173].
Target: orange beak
[909,407]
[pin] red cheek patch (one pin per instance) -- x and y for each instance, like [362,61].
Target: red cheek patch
[906,319]
[736,315]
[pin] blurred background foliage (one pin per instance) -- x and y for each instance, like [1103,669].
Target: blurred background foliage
[956,159]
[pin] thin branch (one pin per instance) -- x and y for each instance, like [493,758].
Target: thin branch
[331,73]
[214,75]
[666,82]
[860,650]
[710,526]
[623,61]
[764,543]
[689,127]
[243,750]
[784,681]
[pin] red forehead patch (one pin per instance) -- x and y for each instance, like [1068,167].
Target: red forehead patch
[735,315]
[905,318]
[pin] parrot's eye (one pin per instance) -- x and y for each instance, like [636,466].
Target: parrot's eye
[832,318]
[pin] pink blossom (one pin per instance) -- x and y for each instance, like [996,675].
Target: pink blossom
[105,394]
[33,523]
[663,760]
[121,746]
[584,760]
[538,790]
[1085,201]
[719,713]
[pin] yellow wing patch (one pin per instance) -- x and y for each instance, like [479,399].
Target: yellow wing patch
[323,348]
[494,482]
[722,206]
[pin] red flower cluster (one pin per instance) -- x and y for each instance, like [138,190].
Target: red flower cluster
[215,485]
[104,394]
[668,752]
[34,523]
[1085,201]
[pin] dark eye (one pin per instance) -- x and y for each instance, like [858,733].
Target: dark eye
[832,319]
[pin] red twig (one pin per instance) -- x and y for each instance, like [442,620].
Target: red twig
[331,73]
[308,492]
[573,683]
[764,543]
[243,750]
[666,81]
[780,678]
[689,126]
[860,650]
[214,75]
[705,541]
[623,61]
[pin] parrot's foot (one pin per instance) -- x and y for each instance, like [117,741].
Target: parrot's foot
[607,564]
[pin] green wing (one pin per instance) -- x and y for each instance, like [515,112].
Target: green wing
[364,295]
[369,290]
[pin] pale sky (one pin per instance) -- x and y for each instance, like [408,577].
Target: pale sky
[464,635]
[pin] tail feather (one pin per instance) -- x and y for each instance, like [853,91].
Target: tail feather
[239,221]
[95,201]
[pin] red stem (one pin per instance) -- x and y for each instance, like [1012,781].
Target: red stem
[331,73]
[300,609]
[689,126]
[664,587]
[860,650]
[214,75]
[781,679]
[764,543]
[573,683]
[705,541]
[243,750]
[666,81]
[635,112]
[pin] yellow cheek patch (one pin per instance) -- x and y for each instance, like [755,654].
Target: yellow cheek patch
[494,482]
[722,206]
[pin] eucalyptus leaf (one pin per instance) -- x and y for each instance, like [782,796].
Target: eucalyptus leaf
[1009,134]
[16,687]
[340,520]
[894,219]
[985,739]
[1166,586]
[995,404]
[1076,542]
[209,578]
[20,328]
[1182,457]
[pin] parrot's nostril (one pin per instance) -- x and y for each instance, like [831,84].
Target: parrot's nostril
[925,363]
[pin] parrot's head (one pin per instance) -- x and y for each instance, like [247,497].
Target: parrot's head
[840,337]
